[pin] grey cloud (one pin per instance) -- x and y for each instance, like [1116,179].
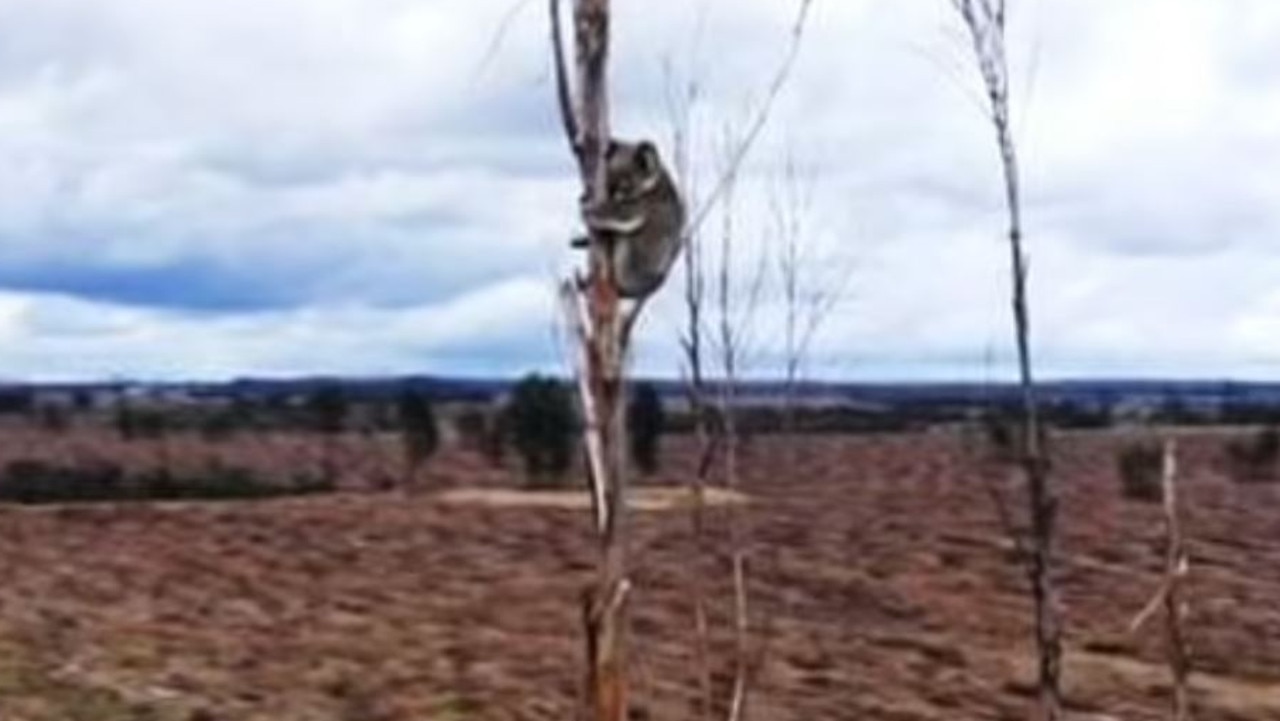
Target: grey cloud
[249,184]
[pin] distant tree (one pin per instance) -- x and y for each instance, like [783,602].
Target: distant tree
[16,401]
[493,443]
[645,420]
[327,408]
[53,418]
[469,423]
[220,424]
[1255,457]
[1140,466]
[250,414]
[123,421]
[540,419]
[326,413]
[483,430]
[82,400]
[133,423]
[418,429]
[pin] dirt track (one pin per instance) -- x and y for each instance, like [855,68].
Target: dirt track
[881,581]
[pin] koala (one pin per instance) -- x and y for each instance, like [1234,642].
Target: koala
[641,218]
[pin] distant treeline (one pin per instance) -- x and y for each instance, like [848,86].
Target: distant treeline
[373,405]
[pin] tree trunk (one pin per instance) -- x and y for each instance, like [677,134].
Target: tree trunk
[603,346]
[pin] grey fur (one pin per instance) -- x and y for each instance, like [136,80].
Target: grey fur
[642,217]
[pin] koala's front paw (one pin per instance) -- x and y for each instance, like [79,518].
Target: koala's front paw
[597,216]
[592,208]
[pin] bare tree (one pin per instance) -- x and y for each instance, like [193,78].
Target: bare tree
[715,433]
[733,314]
[681,105]
[1170,594]
[603,331]
[807,296]
[985,23]
[715,423]
[595,311]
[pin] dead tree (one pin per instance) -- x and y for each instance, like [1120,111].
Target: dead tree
[1170,594]
[714,426]
[732,316]
[985,22]
[692,346]
[596,313]
[603,330]
[807,296]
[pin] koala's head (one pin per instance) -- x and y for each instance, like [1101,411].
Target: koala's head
[631,168]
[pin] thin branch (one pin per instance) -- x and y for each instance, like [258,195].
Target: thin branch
[495,43]
[730,352]
[1169,595]
[954,79]
[1176,569]
[758,122]
[579,319]
[1004,516]
[808,296]
[680,107]
[564,93]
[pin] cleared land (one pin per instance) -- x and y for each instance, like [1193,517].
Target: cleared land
[883,589]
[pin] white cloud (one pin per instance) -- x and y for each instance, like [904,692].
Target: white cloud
[370,185]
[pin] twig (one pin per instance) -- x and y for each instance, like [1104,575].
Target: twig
[758,122]
[730,351]
[495,43]
[1005,517]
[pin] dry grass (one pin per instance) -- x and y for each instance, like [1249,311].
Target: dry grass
[882,589]
[1091,675]
[646,498]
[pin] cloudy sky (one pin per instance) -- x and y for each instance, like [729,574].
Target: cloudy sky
[215,188]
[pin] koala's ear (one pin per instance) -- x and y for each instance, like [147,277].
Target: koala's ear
[647,157]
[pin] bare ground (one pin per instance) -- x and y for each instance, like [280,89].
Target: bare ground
[883,589]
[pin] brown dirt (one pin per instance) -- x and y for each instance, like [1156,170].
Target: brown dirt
[882,587]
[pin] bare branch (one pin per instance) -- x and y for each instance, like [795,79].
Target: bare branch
[758,122]
[564,94]
[1004,515]
[495,43]
[681,102]
[1169,595]
[1177,565]
[579,320]
[808,293]
[730,352]
[1149,610]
